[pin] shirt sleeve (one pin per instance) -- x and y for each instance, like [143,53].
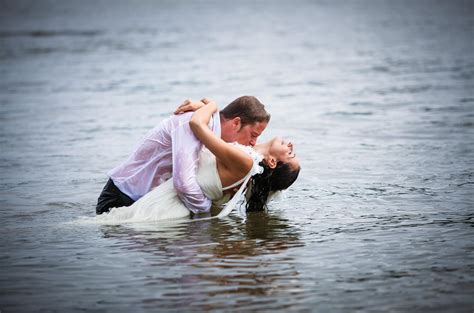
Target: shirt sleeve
[186,150]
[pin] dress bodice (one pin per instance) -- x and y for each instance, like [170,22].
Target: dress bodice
[207,175]
[208,178]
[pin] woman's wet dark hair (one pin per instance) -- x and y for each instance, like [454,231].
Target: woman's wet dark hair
[279,178]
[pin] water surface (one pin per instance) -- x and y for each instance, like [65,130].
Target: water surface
[376,95]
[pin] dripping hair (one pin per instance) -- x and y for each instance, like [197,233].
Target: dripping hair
[279,178]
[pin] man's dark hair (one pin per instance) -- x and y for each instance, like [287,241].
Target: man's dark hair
[248,108]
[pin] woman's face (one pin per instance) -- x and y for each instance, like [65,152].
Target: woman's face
[282,150]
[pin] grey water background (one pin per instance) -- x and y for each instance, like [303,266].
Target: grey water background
[376,95]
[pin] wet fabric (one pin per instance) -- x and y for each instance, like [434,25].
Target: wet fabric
[111,197]
[169,150]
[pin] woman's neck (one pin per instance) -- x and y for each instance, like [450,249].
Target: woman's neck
[263,148]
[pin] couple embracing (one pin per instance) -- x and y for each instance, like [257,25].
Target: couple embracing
[197,158]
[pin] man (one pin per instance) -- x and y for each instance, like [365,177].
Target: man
[171,150]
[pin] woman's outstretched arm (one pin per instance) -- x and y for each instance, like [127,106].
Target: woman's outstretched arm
[230,156]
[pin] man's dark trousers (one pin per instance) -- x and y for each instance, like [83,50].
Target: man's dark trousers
[111,197]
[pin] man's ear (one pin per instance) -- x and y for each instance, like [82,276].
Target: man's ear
[272,162]
[236,123]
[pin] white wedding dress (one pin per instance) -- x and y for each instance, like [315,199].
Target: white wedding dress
[163,203]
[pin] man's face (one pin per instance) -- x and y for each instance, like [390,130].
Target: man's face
[247,135]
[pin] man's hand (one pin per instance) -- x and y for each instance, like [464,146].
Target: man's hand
[189,106]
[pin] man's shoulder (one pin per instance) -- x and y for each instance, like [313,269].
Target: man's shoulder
[183,117]
[172,122]
[186,117]
[178,120]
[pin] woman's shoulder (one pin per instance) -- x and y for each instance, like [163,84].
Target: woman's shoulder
[256,157]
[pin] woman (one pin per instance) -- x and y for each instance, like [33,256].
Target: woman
[273,165]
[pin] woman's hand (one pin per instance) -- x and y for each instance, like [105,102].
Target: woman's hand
[207,101]
[191,106]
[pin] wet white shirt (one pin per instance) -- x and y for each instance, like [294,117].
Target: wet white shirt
[169,150]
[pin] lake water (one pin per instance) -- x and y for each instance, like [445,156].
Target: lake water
[377,96]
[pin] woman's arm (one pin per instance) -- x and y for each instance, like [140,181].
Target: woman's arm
[190,105]
[228,155]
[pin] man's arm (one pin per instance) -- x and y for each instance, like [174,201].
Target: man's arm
[186,149]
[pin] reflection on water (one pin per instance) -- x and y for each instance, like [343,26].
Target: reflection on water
[225,236]
[235,262]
